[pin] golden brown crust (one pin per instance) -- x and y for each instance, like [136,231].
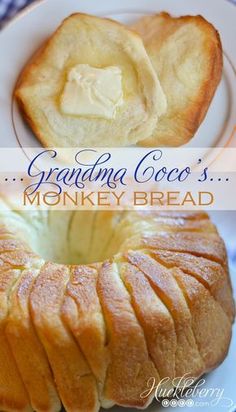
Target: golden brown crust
[75,382]
[13,395]
[155,319]
[193,60]
[207,315]
[130,367]
[82,312]
[187,355]
[199,244]
[143,103]
[27,349]
[161,307]
[207,272]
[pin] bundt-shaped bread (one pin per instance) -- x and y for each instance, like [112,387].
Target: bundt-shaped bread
[93,334]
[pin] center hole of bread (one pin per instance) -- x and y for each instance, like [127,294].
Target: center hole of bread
[75,237]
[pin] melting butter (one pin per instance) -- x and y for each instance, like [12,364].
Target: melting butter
[92,92]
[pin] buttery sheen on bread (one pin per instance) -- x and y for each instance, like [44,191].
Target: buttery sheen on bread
[133,295]
[91,84]
[186,54]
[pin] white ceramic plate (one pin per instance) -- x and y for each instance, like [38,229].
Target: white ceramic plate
[20,39]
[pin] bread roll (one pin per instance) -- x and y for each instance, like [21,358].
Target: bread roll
[91,84]
[186,54]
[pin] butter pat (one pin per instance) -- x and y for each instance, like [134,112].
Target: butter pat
[92,92]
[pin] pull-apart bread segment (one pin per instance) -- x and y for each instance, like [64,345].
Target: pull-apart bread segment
[187,356]
[209,273]
[14,257]
[83,314]
[207,315]
[130,366]
[186,54]
[155,319]
[91,84]
[75,382]
[13,395]
[27,348]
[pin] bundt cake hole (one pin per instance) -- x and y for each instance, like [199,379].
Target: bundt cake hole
[69,237]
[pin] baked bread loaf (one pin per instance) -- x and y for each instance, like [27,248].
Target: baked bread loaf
[91,84]
[158,303]
[186,54]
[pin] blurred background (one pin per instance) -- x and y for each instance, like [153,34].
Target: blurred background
[226,224]
[9,8]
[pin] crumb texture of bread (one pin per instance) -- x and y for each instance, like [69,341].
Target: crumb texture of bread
[186,54]
[100,43]
[153,301]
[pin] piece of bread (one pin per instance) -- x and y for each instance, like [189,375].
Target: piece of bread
[159,306]
[82,312]
[187,356]
[99,43]
[130,362]
[28,351]
[186,54]
[13,395]
[209,273]
[75,382]
[14,256]
[155,319]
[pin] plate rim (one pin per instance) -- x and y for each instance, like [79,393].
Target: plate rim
[36,3]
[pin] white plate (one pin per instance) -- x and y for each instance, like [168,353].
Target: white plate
[20,39]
